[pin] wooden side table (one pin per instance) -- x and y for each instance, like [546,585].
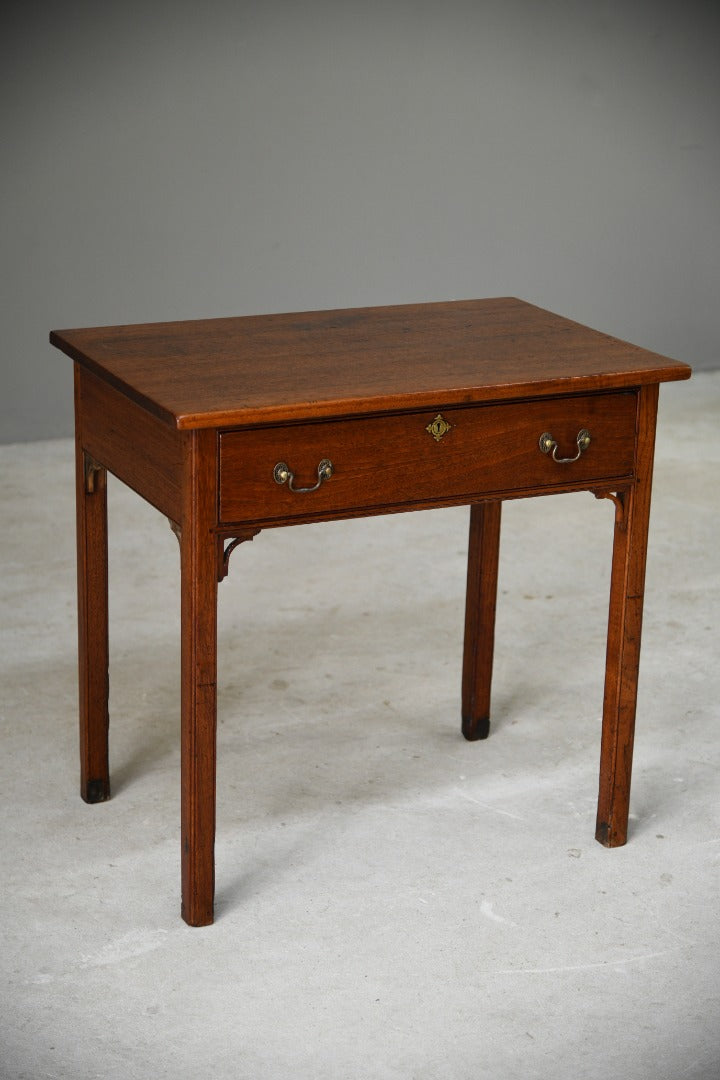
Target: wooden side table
[230,426]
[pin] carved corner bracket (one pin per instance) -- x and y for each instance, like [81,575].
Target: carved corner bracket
[619,498]
[226,550]
[175,528]
[92,469]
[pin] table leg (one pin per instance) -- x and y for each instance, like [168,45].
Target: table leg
[483,555]
[198,561]
[624,630]
[92,584]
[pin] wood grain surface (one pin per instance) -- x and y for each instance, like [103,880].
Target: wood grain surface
[392,460]
[253,369]
[196,415]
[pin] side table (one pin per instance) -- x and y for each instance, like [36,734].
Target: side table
[231,426]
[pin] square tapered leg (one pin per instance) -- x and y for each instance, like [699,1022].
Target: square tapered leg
[92,581]
[624,631]
[199,570]
[483,558]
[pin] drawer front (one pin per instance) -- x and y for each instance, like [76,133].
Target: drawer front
[409,458]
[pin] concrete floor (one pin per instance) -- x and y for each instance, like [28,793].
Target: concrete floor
[392,902]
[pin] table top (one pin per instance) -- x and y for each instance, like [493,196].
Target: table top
[213,373]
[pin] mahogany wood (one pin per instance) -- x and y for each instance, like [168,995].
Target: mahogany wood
[195,416]
[218,373]
[393,460]
[142,451]
[198,658]
[627,587]
[481,596]
[93,647]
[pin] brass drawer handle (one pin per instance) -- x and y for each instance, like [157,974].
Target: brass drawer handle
[282,474]
[547,443]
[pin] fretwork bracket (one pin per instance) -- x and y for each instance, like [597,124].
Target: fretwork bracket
[225,550]
[91,469]
[619,498]
[225,546]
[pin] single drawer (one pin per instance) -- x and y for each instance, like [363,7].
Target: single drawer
[404,459]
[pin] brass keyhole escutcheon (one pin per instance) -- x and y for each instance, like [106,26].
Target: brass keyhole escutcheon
[438,427]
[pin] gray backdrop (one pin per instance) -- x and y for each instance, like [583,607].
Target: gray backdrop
[182,160]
